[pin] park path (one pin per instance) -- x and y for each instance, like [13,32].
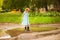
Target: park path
[47,35]
[6,26]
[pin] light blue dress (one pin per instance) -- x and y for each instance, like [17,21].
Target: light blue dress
[25,20]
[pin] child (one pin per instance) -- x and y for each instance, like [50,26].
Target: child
[25,21]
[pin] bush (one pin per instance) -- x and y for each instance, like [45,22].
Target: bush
[50,14]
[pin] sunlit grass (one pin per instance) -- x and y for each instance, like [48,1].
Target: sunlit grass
[17,18]
[40,29]
[1,32]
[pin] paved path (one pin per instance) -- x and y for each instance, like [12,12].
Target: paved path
[12,25]
[48,35]
[52,37]
[47,25]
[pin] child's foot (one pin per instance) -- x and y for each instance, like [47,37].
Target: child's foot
[25,28]
[28,29]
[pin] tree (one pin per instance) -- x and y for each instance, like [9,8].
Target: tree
[1,3]
[16,4]
[39,4]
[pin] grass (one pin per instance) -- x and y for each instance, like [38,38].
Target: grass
[10,18]
[44,20]
[17,31]
[40,29]
[1,32]
[17,18]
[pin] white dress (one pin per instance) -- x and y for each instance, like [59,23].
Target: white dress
[25,20]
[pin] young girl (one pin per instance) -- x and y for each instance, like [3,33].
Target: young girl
[25,21]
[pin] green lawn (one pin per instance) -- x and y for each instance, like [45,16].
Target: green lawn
[44,20]
[17,18]
[10,18]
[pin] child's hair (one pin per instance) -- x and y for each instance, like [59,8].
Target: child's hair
[27,9]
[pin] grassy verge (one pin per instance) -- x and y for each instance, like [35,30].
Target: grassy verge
[17,18]
[17,31]
[40,29]
[1,32]
[10,18]
[44,20]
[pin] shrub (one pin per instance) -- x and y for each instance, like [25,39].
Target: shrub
[50,14]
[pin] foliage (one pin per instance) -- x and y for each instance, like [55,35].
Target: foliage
[33,4]
[49,14]
[15,4]
[1,3]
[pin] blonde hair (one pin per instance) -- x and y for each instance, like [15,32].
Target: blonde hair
[27,9]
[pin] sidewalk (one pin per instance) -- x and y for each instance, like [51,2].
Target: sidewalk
[47,35]
[6,26]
